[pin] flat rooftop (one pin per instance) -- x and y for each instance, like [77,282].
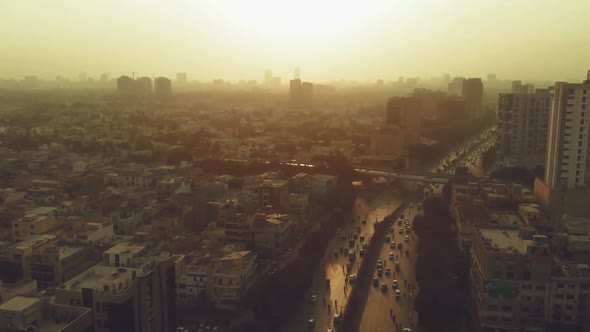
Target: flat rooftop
[32,241]
[96,276]
[503,240]
[235,255]
[505,218]
[19,303]
[125,248]
[42,210]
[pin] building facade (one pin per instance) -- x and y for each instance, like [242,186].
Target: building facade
[522,126]
[567,163]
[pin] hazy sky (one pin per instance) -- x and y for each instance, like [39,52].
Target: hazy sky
[328,39]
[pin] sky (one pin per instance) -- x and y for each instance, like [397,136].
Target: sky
[327,39]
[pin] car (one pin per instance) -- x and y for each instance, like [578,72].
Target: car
[407,329]
[387,271]
[314,298]
[379,271]
[364,245]
[397,266]
[391,255]
[335,252]
[387,238]
[311,323]
[408,231]
[391,229]
[400,246]
[401,215]
[379,262]
[384,287]
[362,238]
[375,282]
[411,205]
[394,284]
[392,245]
[362,252]
[401,231]
[352,278]
[398,293]
[406,238]
[399,221]
[337,319]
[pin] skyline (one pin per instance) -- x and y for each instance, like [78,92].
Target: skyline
[354,41]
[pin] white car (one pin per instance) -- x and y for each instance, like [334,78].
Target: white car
[406,239]
[314,298]
[398,294]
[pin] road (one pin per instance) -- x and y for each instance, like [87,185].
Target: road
[376,316]
[372,209]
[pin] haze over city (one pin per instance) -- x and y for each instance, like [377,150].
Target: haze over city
[328,39]
[310,165]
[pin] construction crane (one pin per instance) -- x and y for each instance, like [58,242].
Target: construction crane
[133,74]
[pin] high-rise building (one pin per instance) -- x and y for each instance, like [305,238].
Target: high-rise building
[181,78]
[491,78]
[267,76]
[567,164]
[104,77]
[306,93]
[129,291]
[295,91]
[455,87]
[518,87]
[522,126]
[126,85]
[405,112]
[473,94]
[162,86]
[144,85]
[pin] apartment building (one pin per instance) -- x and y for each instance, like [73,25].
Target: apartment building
[568,162]
[522,126]
[40,220]
[510,278]
[569,297]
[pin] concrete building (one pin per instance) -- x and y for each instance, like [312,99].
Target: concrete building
[569,297]
[162,86]
[126,85]
[40,220]
[510,278]
[387,141]
[272,234]
[473,93]
[522,126]
[274,193]
[406,113]
[144,85]
[181,78]
[567,166]
[27,313]
[136,297]
[237,228]
[231,277]
[455,87]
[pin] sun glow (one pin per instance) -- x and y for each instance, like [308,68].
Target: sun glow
[296,23]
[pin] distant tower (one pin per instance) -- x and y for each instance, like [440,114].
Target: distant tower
[162,86]
[297,73]
[181,78]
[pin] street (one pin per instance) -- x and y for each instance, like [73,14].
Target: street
[334,267]
[376,316]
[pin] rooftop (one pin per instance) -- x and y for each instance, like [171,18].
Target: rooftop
[125,248]
[576,226]
[505,218]
[505,240]
[32,241]
[42,210]
[19,303]
[235,255]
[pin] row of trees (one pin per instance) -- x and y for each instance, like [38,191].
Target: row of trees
[442,300]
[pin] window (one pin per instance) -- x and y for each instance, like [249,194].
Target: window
[569,307]
[106,288]
[569,297]
[540,287]
[99,323]
[510,275]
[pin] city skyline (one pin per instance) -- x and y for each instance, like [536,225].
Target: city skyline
[354,40]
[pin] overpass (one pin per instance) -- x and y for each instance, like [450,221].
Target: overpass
[422,176]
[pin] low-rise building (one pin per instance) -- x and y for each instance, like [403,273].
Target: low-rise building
[27,313]
[272,234]
[231,277]
[41,220]
[510,278]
